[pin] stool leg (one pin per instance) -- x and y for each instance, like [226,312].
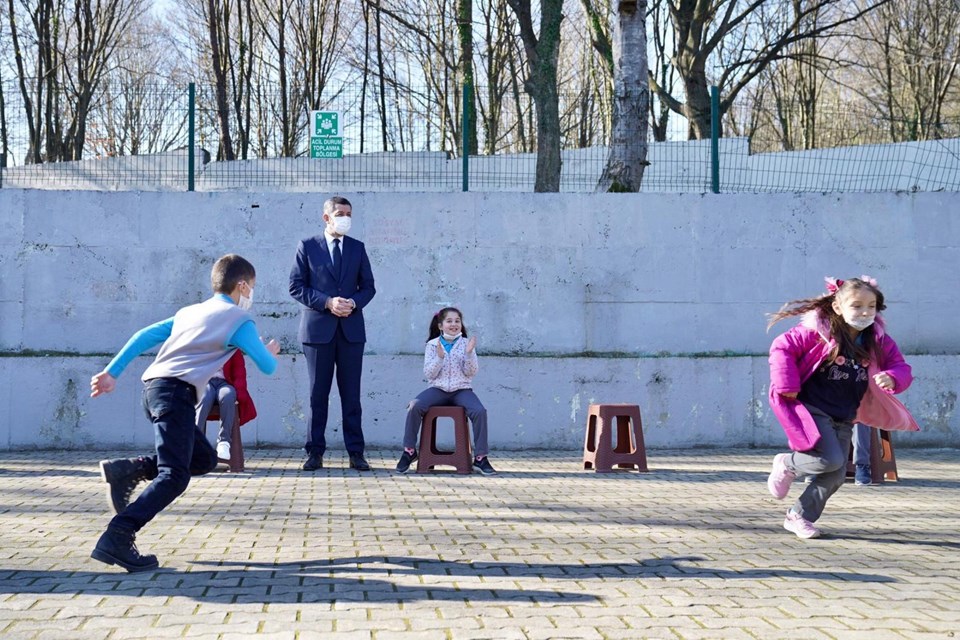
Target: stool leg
[236,447]
[887,457]
[590,443]
[428,429]
[876,473]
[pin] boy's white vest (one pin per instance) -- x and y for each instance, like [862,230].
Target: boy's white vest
[197,346]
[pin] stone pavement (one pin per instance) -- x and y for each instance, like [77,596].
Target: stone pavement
[694,549]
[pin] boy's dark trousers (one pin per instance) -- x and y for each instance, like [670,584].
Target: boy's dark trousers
[182,450]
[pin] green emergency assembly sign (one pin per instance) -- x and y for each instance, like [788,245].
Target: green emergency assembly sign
[326,139]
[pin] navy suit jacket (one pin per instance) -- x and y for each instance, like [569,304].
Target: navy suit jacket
[312,282]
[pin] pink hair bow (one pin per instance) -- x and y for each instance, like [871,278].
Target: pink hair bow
[833,284]
[870,281]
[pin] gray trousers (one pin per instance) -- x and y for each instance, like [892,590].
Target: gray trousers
[826,462]
[861,444]
[218,391]
[434,397]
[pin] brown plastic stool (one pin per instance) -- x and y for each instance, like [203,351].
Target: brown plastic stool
[429,456]
[236,444]
[598,451]
[883,464]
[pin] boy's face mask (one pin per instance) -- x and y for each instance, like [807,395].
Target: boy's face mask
[246,302]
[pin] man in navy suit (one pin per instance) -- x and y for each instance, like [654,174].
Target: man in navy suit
[333,281]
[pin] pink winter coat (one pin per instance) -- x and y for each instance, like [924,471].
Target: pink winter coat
[798,353]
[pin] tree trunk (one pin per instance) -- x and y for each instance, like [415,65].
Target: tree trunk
[34,142]
[365,72]
[220,78]
[465,29]
[547,100]
[541,83]
[697,107]
[382,84]
[631,102]
[4,134]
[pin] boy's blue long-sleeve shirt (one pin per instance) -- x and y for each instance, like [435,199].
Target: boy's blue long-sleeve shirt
[244,338]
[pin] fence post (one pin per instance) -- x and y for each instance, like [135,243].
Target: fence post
[465,138]
[3,165]
[191,134]
[715,139]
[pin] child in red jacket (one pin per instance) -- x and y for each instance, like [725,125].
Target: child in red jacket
[837,367]
[229,390]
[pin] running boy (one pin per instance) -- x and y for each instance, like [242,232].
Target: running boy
[196,342]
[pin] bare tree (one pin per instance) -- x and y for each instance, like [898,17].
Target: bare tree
[427,29]
[4,131]
[31,94]
[98,29]
[662,71]
[910,54]
[599,17]
[465,30]
[541,83]
[751,34]
[628,144]
[143,104]
[275,17]
[61,65]
[217,19]
[318,32]
[496,54]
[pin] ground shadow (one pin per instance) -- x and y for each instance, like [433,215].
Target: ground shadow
[667,567]
[50,472]
[941,544]
[364,579]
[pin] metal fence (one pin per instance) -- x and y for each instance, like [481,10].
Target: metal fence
[140,137]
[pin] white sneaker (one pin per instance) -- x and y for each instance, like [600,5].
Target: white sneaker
[780,477]
[223,450]
[801,526]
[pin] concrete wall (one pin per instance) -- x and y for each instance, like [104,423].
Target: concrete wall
[651,299]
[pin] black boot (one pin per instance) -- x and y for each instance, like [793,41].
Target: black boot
[117,546]
[123,475]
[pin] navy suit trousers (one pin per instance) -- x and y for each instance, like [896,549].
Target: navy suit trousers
[346,359]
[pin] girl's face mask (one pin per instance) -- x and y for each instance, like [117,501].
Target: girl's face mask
[858,308]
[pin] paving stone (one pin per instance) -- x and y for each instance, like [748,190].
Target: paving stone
[694,549]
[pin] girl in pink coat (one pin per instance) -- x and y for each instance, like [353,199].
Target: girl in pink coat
[837,367]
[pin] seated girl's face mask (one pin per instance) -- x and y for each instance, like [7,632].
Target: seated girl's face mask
[450,337]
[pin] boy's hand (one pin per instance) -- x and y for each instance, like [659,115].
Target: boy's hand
[471,344]
[792,395]
[273,347]
[102,383]
[885,381]
[441,352]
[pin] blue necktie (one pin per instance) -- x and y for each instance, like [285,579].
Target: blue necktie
[337,256]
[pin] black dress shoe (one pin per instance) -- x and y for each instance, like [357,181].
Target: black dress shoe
[357,462]
[314,462]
